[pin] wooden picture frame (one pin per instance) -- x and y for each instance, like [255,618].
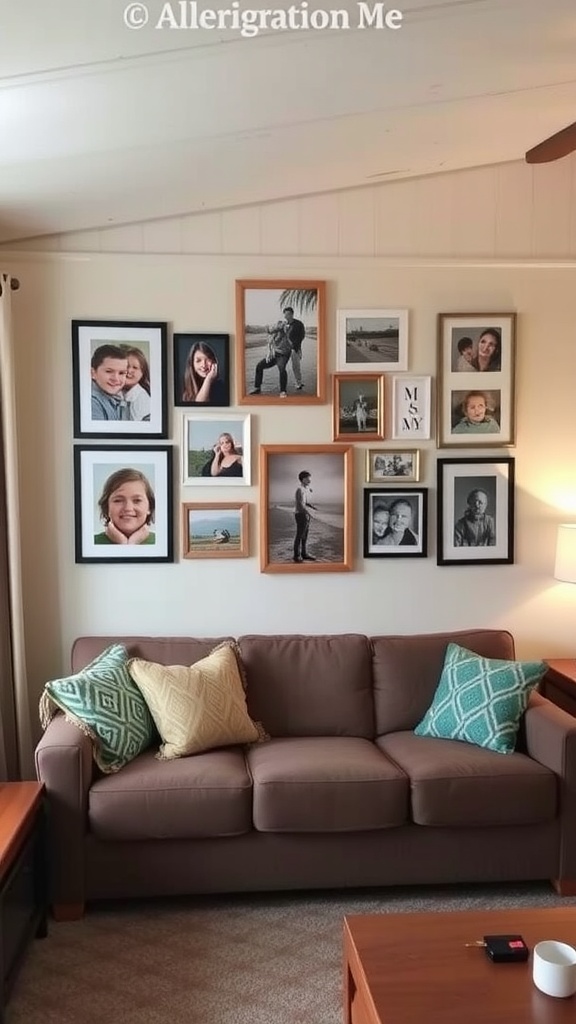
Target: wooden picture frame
[411,408]
[385,464]
[295,342]
[476,365]
[123,503]
[215,529]
[395,522]
[475,517]
[372,339]
[119,386]
[290,542]
[201,370]
[357,407]
[205,466]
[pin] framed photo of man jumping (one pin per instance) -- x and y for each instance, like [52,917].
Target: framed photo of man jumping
[280,342]
[306,508]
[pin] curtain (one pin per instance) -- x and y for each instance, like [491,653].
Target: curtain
[16,755]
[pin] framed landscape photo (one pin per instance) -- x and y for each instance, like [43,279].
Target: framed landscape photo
[475,511]
[280,342]
[202,370]
[411,398]
[216,449]
[306,508]
[476,364]
[358,406]
[372,339]
[215,530]
[394,464]
[119,386]
[395,522]
[123,503]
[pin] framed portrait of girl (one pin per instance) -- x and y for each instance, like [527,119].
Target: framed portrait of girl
[202,370]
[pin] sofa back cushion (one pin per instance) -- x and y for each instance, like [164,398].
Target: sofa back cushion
[407,670]
[176,650]
[310,685]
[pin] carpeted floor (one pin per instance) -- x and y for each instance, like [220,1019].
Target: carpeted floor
[272,959]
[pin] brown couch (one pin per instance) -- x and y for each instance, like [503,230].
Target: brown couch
[343,794]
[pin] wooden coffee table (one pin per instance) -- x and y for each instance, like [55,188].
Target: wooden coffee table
[415,968]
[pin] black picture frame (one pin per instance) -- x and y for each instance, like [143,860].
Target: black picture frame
[469,534]
[379,538]
[136,471]
[137,412]
[218,345]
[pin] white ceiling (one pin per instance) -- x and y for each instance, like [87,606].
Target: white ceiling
[101,124]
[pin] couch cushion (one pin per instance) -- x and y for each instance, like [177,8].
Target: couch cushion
[168,650]
[480,700]
[310,685]
[325,784]
[196,707]
[407,670]
[457,784]
[186,798]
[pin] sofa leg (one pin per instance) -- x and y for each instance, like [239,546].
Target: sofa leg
[564,886]
[67,911]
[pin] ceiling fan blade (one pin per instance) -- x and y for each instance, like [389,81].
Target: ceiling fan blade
[557,146]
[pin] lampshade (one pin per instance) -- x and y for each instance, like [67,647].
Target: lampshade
[565,568]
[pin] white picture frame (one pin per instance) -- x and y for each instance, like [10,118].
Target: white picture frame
[372,340]
[411,408]
[201,434]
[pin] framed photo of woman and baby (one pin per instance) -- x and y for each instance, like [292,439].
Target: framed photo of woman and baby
[119,386]
[476,359]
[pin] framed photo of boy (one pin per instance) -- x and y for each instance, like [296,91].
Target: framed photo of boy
[395,522]
[357,406]
[123,503]
[411,408]
[280,342]
[372,339]
[475,511]
[119,385]
[215,530]
[216,449]
[201,369]
[306,508]
[476,364]
[394,464]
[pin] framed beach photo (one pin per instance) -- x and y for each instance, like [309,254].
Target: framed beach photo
[372,339]
[476,364]
[392,464]
[395,522]
[357,406]
[216,449]
[119,386]
[280,342]
[201,370]
[411,398]
[123,503]
[475,519]
[306,508]
[215,530]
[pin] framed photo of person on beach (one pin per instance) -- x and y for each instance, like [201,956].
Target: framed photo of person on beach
[476,361]
[372,339]
[395,522]
[357,407]
[216,449]
[215,529]
[119,387]
[306,508]
[280,342]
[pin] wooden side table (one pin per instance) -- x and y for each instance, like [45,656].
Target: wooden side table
[23,876]
[559,683]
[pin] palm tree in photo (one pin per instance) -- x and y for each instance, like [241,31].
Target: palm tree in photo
[302,300]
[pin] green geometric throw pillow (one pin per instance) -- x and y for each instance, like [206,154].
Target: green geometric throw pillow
[105,703]
[480,700]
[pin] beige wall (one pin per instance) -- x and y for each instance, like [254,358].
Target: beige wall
[196,292]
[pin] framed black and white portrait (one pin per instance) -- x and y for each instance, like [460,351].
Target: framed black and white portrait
[475,511]
[395,522]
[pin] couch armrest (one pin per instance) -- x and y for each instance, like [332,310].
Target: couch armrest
[551,740]
[64,764]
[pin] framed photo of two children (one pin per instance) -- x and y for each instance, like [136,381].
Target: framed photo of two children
[476,360]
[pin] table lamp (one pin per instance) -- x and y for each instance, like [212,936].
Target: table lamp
[565,567]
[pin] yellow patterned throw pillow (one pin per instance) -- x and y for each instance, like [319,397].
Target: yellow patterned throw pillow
[197,707]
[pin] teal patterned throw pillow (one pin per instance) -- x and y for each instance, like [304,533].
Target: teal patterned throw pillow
[104,701]
[480,700]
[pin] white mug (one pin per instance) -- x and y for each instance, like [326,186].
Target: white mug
[554,968]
